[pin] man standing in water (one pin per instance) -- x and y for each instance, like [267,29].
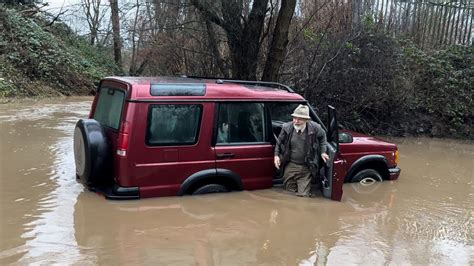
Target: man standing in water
[299,147]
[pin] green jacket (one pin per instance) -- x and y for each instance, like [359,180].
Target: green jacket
[315,144]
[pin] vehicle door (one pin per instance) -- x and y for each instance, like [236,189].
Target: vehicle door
[108,109]
[177,144]
[242,143]
[331,183]
[331,180]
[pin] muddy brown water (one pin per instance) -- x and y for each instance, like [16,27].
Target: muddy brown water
[426,217]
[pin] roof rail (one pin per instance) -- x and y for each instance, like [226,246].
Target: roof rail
[250,82]
[200,77]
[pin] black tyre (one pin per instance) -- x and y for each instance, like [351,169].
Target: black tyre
[367,176]
[91,152]
[210,188]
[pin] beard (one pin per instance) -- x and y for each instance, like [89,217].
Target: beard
[299,127]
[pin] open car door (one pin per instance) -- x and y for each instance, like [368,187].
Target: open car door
[331,181]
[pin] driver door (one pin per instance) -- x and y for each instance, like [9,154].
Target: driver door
[331,178]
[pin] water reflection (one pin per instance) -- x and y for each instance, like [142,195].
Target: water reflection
[51,237]
[49,229]
[47,217]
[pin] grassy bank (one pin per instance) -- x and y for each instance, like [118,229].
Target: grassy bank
[40,59]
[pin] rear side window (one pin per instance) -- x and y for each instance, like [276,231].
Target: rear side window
[240,123]
[173,124]
[109,107]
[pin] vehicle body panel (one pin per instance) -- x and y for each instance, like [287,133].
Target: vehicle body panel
[253,163]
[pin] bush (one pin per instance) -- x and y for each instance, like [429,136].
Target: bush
[382,85]
[443,81]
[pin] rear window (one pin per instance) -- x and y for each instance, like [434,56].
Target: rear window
[173,124]
[109,107]
[178,89]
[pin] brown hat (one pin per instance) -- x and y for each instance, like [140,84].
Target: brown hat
[302,111]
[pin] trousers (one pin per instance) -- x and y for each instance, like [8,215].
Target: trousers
[297,179]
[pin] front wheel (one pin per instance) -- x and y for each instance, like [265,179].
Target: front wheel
[367,177]
[210,188]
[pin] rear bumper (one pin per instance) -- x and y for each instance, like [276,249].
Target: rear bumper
[394,173]
[116,192]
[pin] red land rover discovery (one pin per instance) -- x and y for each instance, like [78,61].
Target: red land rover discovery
[166,136]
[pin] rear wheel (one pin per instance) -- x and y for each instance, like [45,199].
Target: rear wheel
[210,188]
[367,177]
[91,152]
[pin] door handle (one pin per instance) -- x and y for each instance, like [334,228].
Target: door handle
[225,155]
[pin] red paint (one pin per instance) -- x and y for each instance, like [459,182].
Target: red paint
[161,170]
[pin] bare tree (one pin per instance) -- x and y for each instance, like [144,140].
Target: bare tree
[94,16]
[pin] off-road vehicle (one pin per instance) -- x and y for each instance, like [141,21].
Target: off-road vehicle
[168,136]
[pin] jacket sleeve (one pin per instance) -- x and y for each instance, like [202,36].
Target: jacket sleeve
[321,135]
[280,143]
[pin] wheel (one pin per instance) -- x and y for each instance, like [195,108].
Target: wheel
[91,151]
[367,177]
[210,188]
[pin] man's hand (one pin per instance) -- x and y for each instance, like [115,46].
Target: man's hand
[325,157]
[277,162]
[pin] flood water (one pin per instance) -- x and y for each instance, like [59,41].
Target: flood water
[425,217]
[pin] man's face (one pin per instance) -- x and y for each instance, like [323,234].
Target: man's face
[299,121]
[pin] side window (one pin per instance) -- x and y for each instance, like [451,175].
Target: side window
[173,124]
[240,123]
[281,112]
[109,107]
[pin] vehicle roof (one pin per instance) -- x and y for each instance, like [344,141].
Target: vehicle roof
[218,89]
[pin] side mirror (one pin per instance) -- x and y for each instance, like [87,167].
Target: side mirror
[345,138]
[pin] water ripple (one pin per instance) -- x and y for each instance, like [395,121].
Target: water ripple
[51,235]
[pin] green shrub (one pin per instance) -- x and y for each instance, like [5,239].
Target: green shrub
[50,55]
[444,86]
[383,85]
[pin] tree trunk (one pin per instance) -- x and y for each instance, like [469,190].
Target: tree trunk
[243,34]
[356,13]
[249,44]
[279,41]
[213,43]
[114,14]
[468,29]
[133,61]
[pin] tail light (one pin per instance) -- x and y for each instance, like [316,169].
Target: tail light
[123,138]
[395,156]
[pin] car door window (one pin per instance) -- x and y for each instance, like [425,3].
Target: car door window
[240,123]
[173,124]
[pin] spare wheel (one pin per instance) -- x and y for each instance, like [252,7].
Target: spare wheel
[91,151]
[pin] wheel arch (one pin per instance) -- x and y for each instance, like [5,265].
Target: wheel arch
[376,162]
[224,177]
